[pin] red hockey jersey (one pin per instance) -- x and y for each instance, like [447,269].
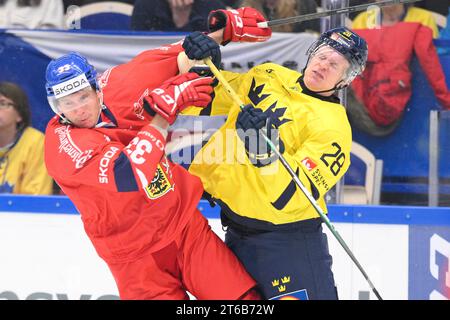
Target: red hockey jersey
[385,85]
[131,198]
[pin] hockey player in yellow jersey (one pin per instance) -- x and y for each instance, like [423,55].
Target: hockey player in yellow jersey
[306,124]
[271,225]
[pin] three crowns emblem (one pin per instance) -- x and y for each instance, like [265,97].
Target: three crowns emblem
[282,287]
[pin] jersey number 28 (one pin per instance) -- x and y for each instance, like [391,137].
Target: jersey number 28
[339,159]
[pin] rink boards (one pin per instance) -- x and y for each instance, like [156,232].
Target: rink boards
[45,253]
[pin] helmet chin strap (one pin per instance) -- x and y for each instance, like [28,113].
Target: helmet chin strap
[335,88]
[100,100]
[63,118]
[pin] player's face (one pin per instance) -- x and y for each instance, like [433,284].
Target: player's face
[325,69]
[82,108]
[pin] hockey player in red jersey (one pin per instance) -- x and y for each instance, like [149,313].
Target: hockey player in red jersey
[105,149]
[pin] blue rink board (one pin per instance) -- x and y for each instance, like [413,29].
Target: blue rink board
[338,213]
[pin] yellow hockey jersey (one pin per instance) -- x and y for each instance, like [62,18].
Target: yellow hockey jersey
[317,139]
[22,168]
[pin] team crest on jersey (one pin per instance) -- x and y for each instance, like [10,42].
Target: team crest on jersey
[160,185]
[281,283]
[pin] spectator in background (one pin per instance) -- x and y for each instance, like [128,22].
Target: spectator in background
[173,15]
[439,6]
[376,100]
[352,3]
[68,3]
[22,168]
[278,9]
[390,15]
[32,14]
[232,4]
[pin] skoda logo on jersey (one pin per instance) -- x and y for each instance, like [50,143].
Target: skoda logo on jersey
[70,86]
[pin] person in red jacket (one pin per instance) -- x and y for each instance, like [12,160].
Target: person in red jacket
[105,149]
[378,98]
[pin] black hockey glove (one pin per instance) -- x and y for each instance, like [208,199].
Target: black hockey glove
[250,122]
[198,46]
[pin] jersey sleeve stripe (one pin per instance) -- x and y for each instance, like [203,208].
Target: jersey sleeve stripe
[123,174]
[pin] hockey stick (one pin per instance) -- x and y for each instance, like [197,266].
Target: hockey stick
[296,179]
[317,15]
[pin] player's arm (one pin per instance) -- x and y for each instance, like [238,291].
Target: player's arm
[238,25]
[139,159]
[221,103]
[225,26]
[88,157]
[320,162]
[109,165]
[198,45]
[131,167]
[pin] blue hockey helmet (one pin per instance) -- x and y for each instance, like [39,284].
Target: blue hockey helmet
[66,75]
[349,44]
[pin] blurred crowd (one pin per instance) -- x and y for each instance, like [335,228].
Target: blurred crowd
[174,15]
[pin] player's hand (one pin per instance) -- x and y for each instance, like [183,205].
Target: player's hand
[198,46]
[180,92]
[250,122]
[240,25]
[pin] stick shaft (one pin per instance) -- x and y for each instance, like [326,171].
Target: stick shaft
[296,179]
[317,15]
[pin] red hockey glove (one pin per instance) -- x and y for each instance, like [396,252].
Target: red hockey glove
[240,25]
[178,93]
